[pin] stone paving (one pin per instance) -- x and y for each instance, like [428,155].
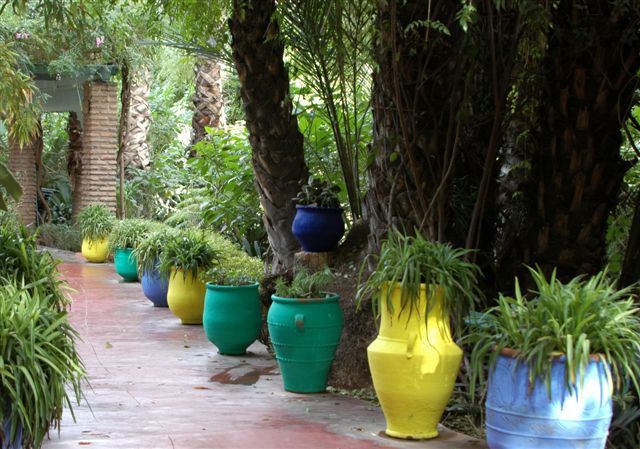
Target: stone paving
[156,384]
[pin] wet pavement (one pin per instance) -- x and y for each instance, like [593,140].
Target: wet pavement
[156,384]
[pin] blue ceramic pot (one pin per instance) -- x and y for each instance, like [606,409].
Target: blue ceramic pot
[519,417]
[17,438]
[155,288]
[318,229]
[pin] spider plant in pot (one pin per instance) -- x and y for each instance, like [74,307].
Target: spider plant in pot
[318,224]
[232,316]
[123,239]
[417,287]
[185,255]
[147,253]
[554,360]
[95,223]
[305,324]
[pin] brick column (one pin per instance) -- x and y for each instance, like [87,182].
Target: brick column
[96,173]
[22,163]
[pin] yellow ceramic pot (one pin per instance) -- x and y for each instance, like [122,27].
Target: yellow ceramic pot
[95,250]
[414,364]
[186,297]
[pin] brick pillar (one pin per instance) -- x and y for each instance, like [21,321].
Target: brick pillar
[96,173]
[22,163]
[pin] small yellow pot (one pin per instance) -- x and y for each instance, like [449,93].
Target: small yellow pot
[186,297]
[95,250]
[414,364]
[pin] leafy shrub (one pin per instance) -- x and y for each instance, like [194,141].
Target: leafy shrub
[61,236]
[127,234]
[305,285]
[39,358]
[235,266]
[188,250]
[95,222]
[318,193]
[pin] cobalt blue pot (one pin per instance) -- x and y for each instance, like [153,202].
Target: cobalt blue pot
[318,229]
[155,288]
[519,417]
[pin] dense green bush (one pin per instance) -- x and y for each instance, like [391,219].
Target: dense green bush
[61,236]
[235,266]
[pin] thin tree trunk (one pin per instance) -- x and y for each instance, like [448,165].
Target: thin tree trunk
[74,131]
[122,136]
[277,144]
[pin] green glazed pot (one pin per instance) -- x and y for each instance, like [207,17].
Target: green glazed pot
[305,334]
[126,264]
[232,317]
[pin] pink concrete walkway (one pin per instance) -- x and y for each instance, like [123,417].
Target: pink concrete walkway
[155,384]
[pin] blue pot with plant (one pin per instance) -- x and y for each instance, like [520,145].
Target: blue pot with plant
[318,224]
[554,361]
[147,253]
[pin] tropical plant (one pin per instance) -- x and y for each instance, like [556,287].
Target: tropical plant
[95,222]
[577,320]
[235,266]
[190,251]
[148,250]
[305,285]
[128,233]
[21,262]
[318,193]
[409,261]
[39,360]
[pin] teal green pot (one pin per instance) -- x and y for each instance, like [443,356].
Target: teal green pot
[305,334]
[126,264]
[232,317]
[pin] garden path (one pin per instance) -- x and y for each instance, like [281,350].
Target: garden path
[156,384]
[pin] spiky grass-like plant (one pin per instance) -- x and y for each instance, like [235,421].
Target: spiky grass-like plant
[190,251]
[148,250]
[576,320]
[409,261]
[305,285]
[128,233]
[95,222]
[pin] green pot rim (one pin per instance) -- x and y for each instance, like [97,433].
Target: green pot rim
[331,297]
[212,286]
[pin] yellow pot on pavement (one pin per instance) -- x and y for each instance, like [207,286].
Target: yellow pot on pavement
[95,250]
[414,364]
[186,296]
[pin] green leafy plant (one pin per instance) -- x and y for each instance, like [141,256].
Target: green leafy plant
[61,236]
[578,319]
[95,222]
[221,276]
[305,285]
[318,193]
[127,234]
[39,359]
[410,261]
[190,251]
[148,250]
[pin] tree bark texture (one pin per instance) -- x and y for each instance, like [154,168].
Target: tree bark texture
[125,92]
[589,81]
[417,96]
[276,142]
[137,151]
[207,100]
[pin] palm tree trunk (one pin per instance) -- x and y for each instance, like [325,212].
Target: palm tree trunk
[207,100]
[137,151]
[277,144]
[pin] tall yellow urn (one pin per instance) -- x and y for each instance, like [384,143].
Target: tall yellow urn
[185,296]
[414,363]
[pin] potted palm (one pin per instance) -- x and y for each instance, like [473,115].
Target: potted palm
[416,288]
[186,254]
[554,360]
[318,224]
[123,239]
[95,223]
[305,324]
[232,315]
[147,254]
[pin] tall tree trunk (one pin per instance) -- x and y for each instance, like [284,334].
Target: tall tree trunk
[137,151]
[277,144]
[74,131]
[589,81]
[207,100]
